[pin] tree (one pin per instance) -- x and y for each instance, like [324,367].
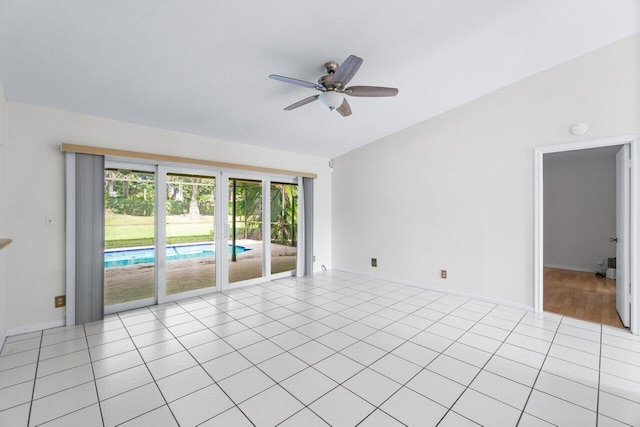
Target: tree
[194,211]
[283,212]
[110,176]
[248,198]
[129,192]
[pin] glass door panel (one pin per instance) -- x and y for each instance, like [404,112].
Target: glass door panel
[284,211]
[190,240]
[129,236]
[246,255]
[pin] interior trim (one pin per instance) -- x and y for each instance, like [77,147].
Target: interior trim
[84,149]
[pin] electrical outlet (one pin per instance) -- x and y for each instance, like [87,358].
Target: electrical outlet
[60,301]
[443,274]
[314,258]
[374,262]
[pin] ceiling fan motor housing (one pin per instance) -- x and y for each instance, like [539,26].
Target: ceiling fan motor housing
[328,83]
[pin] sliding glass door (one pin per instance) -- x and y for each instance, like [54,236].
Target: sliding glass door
[284,227]
[246,246]
[262,229]
[190,236]
[129,238]
[173,232]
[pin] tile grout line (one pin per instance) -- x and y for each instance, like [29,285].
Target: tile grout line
[377,407]
[538,373]
[387,352]
[198,364]
[450,409]
[288,351]
[93,374]
[151,374]
[573,381]
[495,306]
[35,378]
[334,351]
[58,391]
[403,385]
[277,383]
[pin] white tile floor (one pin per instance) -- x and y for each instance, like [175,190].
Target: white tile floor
[333,349]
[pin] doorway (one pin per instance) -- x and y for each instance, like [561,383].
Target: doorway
[630,239]
[580,219]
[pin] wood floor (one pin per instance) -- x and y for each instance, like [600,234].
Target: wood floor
[581,295]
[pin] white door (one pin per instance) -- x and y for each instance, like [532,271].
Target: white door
[622,234]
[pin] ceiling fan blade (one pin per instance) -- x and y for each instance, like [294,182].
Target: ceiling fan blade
[371,91]
[347,70]
[294,81]
[344,109]
[301,103]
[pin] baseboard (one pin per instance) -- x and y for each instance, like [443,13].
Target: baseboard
[33,328]
[569,267]
[424,286]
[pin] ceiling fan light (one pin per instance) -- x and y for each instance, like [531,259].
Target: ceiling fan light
[331,99]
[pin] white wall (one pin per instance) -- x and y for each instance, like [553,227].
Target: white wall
[36,262]
[4,232]
[455,192]
[579,208]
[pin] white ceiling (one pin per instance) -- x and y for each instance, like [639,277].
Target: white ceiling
[201,66]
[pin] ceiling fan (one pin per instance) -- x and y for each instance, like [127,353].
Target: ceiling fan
[333,86]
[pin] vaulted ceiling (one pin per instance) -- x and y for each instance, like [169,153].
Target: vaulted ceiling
[202,66]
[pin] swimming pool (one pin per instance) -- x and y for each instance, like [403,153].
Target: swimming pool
[122,257]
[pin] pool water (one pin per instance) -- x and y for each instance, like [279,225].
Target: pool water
[122,257]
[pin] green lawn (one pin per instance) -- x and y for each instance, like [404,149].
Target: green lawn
[122,231]
[125,231]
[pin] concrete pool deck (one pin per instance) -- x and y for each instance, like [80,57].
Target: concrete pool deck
[132,282]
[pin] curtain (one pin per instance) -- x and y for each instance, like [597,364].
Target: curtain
[89,238]
[307,183]
[300,260]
